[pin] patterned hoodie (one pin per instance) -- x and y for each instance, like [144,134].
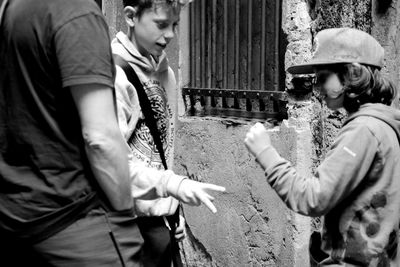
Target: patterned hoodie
[357,188]
[159,83]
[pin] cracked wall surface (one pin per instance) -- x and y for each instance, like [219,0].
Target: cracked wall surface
[252,227]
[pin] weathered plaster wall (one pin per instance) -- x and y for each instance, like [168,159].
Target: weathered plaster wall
[252,227]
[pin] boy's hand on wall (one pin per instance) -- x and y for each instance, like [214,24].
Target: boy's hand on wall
[257,139]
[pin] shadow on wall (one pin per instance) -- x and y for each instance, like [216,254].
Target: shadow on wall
[383,5]
[312,5]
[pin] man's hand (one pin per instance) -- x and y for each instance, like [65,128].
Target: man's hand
[194,193]
[257,139]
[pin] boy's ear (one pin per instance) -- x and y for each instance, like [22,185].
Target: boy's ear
[130,15]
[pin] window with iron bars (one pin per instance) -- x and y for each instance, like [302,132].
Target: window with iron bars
[236,60]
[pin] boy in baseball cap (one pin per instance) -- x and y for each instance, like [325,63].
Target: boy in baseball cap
[356,188]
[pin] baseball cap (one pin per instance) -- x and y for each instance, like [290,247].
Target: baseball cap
[342,45]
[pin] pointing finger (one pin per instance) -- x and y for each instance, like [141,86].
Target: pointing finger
[213,187]
[207,202]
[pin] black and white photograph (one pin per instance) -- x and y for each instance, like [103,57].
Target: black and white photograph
[199,133]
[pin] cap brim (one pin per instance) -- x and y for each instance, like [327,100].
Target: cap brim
[308,68]
[301,69]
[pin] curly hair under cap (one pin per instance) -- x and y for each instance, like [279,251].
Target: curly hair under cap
[365,84]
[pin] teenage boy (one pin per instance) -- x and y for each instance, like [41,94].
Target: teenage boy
[357,186]
[152,24]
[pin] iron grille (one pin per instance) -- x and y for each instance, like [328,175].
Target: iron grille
[234,50]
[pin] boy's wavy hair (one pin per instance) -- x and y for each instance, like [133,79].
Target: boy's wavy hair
[364,84]
[142,5]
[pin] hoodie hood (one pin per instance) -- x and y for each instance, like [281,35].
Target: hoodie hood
[122,46]
[382,112]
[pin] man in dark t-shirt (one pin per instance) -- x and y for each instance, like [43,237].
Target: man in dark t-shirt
[66,189]
[63,161]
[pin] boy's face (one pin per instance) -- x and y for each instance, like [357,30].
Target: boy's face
[331,88]
[155,28]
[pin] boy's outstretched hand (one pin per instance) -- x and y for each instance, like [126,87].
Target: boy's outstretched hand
[257,139]
[194,193]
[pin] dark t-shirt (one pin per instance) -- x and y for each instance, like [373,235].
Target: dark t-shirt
[45,47]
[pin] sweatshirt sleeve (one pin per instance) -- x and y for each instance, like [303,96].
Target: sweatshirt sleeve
[158,207]
[149,183]
[344,167]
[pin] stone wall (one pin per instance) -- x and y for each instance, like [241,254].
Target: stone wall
[252,227]
[386,29]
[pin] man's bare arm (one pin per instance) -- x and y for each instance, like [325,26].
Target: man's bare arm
[104,144]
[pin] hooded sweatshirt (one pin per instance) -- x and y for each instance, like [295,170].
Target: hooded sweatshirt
[146,166]
[357,188]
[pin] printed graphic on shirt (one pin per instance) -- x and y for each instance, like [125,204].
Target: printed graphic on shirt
[357,237]
[141,141]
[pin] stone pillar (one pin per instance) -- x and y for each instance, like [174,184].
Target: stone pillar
[303,111]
